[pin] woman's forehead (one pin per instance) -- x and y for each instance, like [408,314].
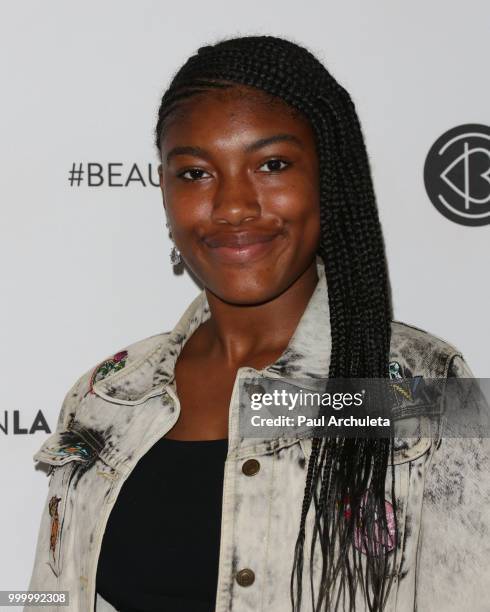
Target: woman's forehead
[242,102]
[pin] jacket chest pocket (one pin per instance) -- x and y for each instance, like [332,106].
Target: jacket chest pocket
[69,455]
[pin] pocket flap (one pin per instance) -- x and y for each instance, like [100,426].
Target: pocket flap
[64,446]
[414,440]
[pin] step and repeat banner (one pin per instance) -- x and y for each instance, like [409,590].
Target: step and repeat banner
[85,253]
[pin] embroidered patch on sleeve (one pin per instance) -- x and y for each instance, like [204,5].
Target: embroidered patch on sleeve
[109,366]
[55,523]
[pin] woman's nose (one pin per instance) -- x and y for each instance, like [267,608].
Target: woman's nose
[235,201]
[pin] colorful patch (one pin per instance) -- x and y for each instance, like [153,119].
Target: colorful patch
[395,370]
[385,538]
[406,388]
[55,522]
[109,366]
[409,388]
[80,448]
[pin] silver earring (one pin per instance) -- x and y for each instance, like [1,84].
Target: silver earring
[175,256]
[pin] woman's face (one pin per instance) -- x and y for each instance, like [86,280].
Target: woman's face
[240,184]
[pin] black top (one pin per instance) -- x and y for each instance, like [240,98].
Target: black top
[160,549]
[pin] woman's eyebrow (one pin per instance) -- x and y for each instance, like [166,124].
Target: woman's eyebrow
[254,146]
[263,142]
[196,151]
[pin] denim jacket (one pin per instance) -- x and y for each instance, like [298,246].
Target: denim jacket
[117,410]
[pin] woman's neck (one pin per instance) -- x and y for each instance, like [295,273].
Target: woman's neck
[236,334]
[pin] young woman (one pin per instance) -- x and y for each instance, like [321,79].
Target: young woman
[156,500]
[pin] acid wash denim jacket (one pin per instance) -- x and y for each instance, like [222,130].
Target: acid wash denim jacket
[118,409]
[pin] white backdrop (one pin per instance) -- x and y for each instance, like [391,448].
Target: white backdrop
[86,271]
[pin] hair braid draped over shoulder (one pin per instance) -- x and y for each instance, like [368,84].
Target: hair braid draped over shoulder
[352,249]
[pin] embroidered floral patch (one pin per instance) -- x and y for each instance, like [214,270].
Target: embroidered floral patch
[385,538]
[109,366]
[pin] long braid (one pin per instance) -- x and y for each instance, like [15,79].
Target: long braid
[340,470]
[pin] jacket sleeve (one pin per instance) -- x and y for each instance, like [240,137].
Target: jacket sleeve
[42,576]
[454,542]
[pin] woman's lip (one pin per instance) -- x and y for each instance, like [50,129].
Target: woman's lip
[238,239]
[242,253]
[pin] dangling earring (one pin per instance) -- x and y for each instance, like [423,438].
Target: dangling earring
[175,256]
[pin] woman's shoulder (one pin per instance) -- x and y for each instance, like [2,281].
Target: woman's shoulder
[416,351]
[124,358]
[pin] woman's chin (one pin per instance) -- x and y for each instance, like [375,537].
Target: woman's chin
[244,294]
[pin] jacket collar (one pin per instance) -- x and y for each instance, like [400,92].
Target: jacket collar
[306,356]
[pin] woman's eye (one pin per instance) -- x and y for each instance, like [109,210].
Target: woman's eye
[192,174]
[274,165]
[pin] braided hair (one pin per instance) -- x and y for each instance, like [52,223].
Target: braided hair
[340,470]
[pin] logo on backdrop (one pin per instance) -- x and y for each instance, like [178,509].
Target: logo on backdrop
[13,423]
[457,174]
[113,174]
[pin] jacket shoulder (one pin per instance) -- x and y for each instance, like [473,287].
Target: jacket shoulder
[419,352]
[105,368]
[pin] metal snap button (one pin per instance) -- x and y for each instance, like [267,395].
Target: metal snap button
[245,577]
[250,467]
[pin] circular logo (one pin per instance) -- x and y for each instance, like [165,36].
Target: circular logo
[457,174]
